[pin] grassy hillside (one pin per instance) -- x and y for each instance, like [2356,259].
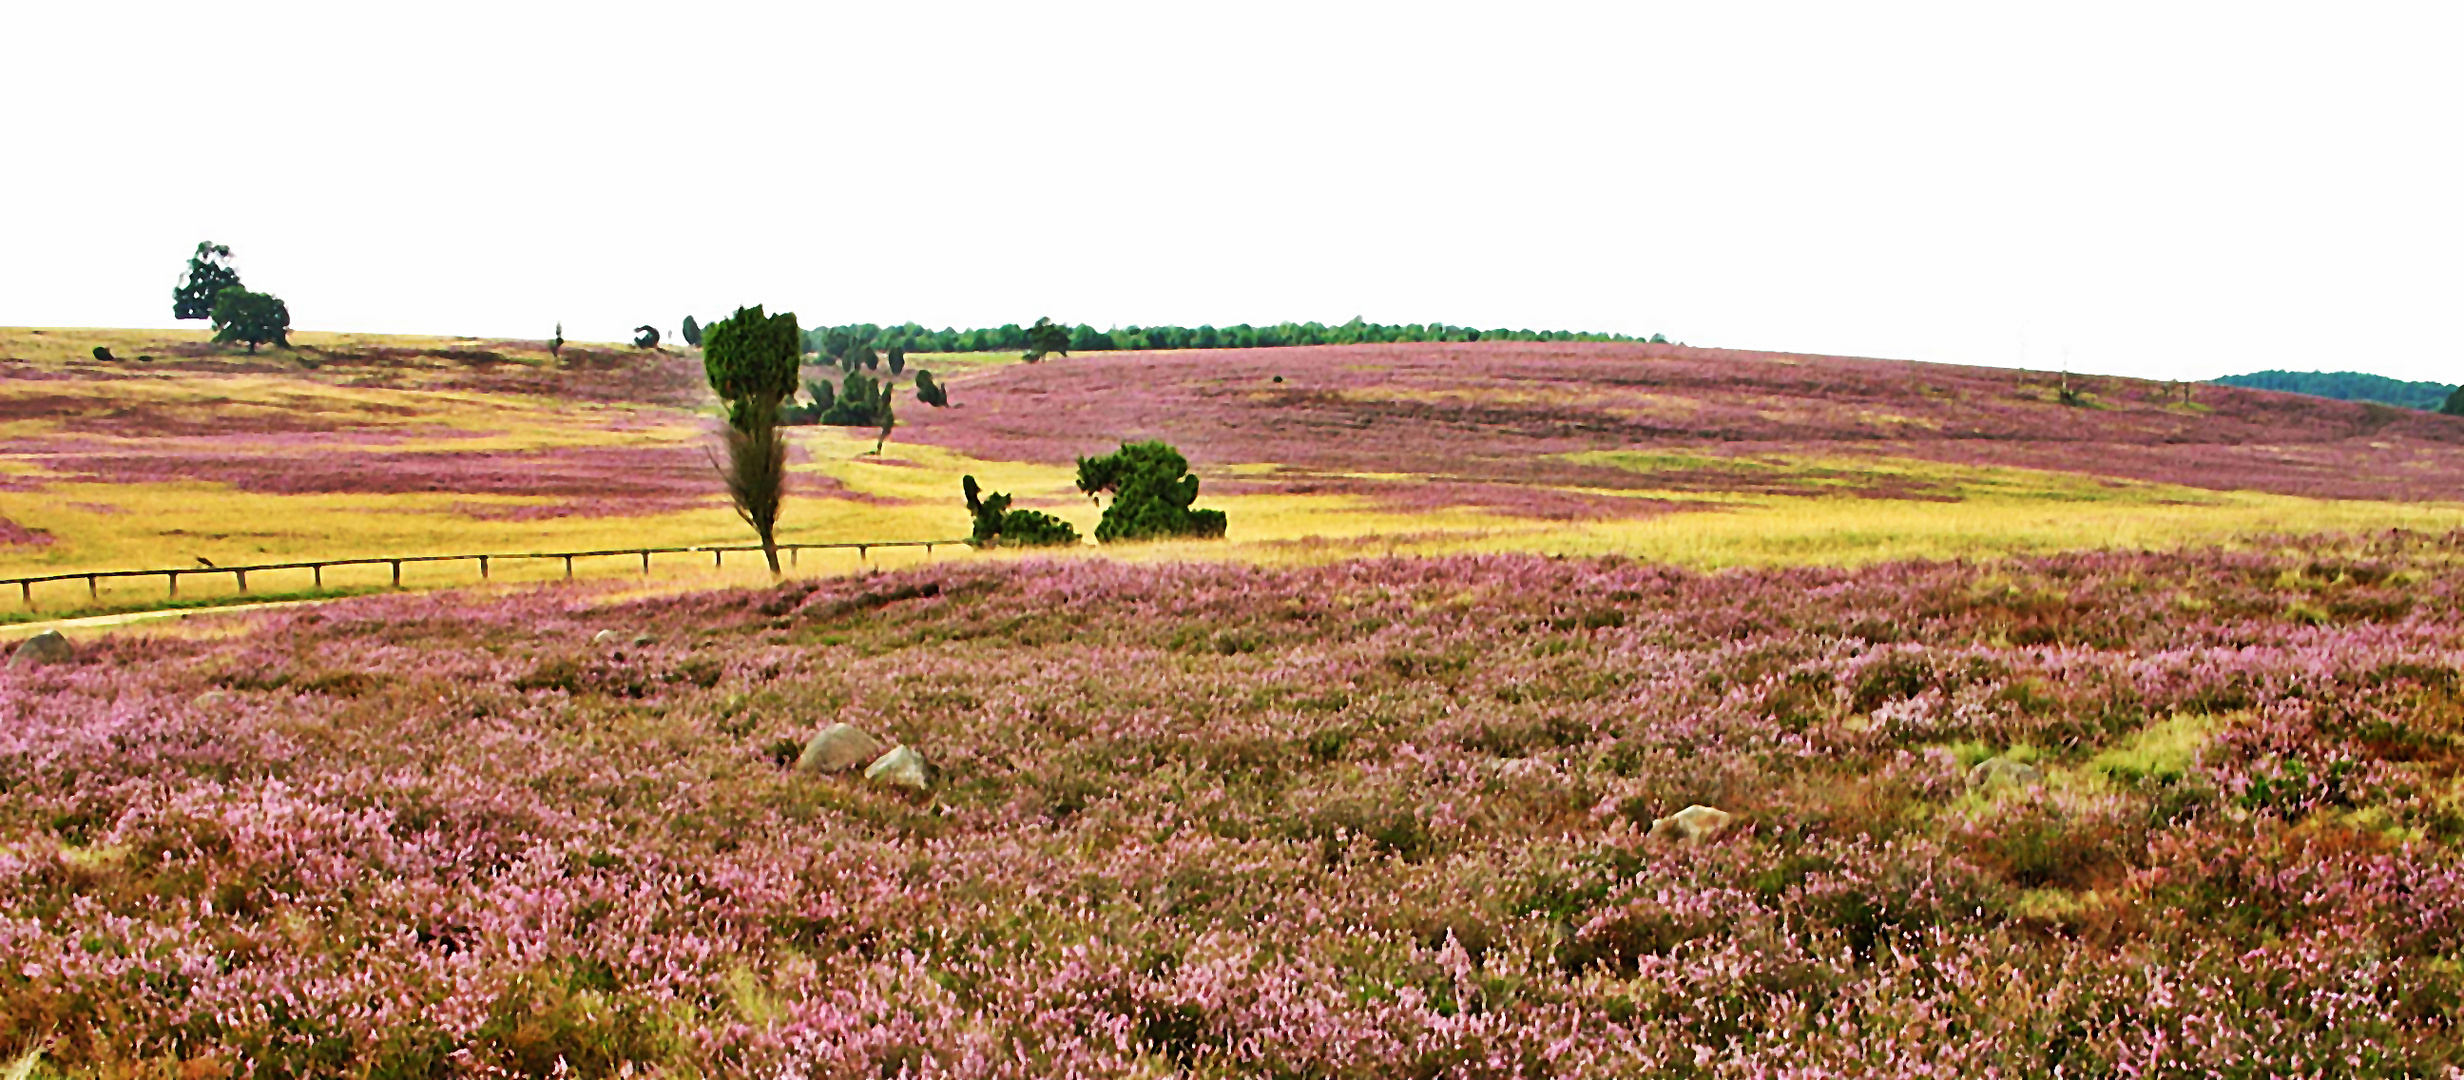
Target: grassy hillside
[2348,386]
[1372,819]
[362,445]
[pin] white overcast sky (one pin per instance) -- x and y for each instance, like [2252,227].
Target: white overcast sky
[2159,190]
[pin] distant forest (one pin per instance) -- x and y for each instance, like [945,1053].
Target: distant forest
[2347,386]
[1084,338]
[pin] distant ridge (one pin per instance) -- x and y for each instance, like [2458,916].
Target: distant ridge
[2347,386]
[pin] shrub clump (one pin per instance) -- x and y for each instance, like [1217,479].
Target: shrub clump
[997,524]
[1151,489]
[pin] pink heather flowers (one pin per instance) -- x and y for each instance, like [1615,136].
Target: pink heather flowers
[1373,819]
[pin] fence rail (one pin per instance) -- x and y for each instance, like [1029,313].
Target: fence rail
[317,567]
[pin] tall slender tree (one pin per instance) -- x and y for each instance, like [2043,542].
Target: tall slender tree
[751,360]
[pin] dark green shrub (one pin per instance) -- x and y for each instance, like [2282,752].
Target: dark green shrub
[861,401]
[930,392]
[1151,490]
[997,524]
[692,331]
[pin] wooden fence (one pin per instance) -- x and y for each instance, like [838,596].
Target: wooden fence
[239,574]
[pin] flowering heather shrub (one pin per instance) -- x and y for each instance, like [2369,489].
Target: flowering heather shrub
[1369,819]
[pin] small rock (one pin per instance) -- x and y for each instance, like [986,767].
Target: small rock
[48,647]
[1997,771]
[838,748]
[1692,824]
[902,768]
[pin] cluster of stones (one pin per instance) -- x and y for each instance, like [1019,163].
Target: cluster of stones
[841,747]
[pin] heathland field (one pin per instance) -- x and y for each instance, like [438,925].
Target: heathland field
[2108,729]
[2081,815]
[368,445]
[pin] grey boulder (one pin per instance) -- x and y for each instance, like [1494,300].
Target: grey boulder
[902,768]
[1692,824]
[838,748]
[48,647]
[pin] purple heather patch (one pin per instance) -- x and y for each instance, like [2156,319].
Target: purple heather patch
[1375,818]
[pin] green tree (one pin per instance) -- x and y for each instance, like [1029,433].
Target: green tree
[692,331]
[930,392]
[2454,405]
[556,345]
[751,359]
[1151,489]
[645,337]
[208,275]
[1046,338]
[897,359]
[252,317]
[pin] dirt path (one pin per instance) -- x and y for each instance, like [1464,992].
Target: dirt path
[19,631]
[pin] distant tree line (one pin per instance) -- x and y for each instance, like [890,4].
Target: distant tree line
[1012,337]
[2348,386]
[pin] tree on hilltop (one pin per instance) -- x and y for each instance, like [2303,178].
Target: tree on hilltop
[253,317]
[1046,338]
[208,275]
[692,332]
[751,360]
